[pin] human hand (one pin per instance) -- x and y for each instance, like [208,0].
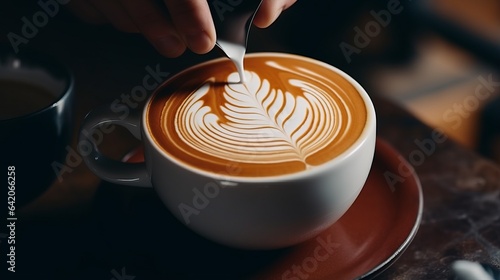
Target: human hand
[170,26]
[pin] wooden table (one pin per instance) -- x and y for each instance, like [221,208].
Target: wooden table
[461,218]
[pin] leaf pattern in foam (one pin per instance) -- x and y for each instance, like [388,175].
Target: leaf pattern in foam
[263,124]
[273,116]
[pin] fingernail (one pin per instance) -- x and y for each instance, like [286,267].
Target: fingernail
[170,46]
[199,42]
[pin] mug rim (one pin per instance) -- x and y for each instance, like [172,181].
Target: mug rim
[49,64]
[368,129]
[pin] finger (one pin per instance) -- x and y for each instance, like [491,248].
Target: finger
[193,22]
[270,10]
[116,14]
[156,26]
[86,12]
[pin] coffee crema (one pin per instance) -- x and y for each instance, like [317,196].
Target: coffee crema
[290,115]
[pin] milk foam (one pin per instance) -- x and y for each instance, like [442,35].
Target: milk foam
[263,124]
[285,118]
[236,53]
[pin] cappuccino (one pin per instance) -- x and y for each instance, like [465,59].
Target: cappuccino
[292,114]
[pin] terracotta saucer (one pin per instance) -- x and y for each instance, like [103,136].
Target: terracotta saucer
[366,240]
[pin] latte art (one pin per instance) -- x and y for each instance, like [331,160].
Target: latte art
[259,124]
[289,116]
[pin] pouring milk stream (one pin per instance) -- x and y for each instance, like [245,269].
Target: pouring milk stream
[232,25]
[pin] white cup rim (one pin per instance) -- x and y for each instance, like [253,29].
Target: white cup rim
[232,180]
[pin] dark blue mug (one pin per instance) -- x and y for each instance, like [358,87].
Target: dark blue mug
[36,116]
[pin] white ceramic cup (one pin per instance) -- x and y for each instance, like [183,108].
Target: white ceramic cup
[251,213]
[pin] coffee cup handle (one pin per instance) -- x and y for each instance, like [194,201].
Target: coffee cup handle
[117,172]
